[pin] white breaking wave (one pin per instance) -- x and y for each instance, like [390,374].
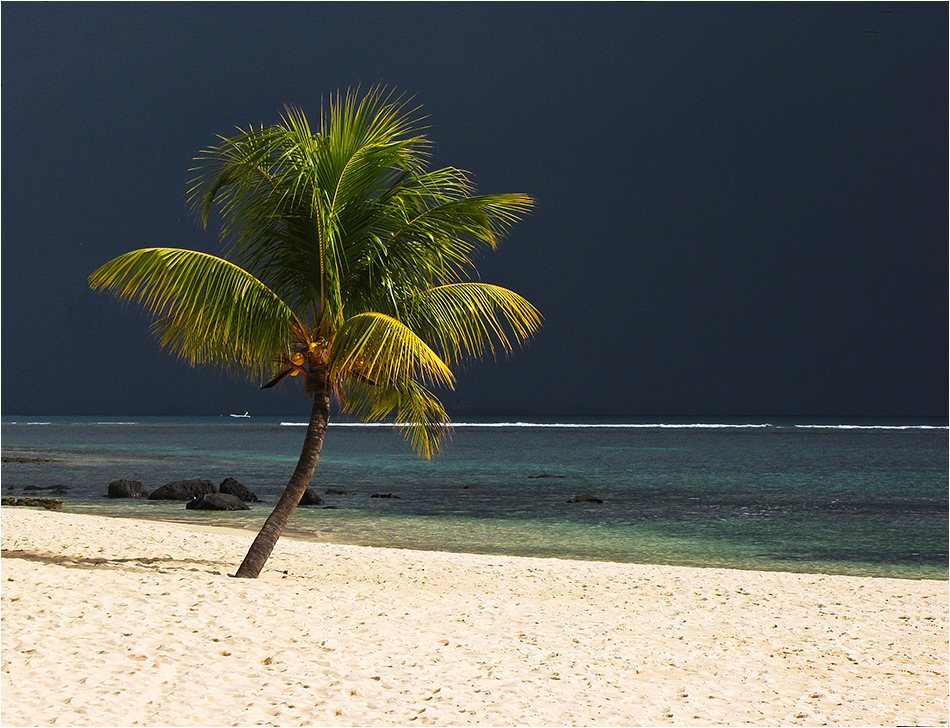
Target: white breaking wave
[600,425]
[569,425]
[643,426]
[873,427]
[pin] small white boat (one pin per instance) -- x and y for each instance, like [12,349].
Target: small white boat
[246,414]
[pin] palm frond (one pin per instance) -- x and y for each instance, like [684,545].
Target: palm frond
[293,200]
[380,348]
[471,319]
[436,237]
[207,309]
[484,218]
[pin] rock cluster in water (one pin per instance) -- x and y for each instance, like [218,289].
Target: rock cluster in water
[230,495]
[198,493]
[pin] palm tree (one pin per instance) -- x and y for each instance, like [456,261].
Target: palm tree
[347,264]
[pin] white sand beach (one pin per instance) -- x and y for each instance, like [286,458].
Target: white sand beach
[113,622]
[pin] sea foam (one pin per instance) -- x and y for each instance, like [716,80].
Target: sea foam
[644,426]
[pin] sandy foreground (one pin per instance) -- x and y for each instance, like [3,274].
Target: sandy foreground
[118,622]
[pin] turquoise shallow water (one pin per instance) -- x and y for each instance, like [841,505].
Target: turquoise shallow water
[867,501]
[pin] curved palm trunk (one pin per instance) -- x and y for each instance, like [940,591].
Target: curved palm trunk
[274,525]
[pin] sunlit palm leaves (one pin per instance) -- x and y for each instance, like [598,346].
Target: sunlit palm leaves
[469,319]
[384,351]
[350,252]
[206,309]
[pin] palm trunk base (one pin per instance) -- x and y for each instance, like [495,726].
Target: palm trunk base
[273,527]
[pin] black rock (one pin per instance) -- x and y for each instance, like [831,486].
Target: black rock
[334,491]
[545,475]
[311,499]
[126,489]
[217,502]
[384,495]
[185,490]
[231,487]
[585,499]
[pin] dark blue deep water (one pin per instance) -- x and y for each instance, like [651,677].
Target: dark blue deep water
[865,501]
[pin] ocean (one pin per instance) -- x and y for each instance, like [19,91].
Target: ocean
[869,500]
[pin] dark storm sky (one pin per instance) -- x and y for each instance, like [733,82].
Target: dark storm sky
[742,209]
